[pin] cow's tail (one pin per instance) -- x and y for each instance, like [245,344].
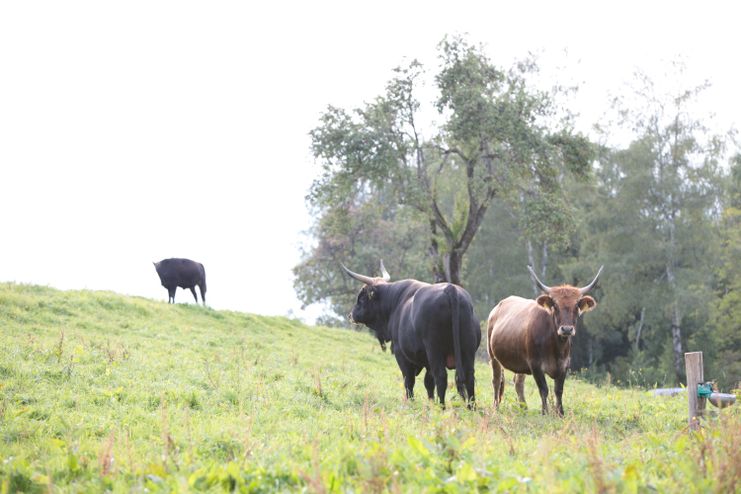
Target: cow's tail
[460,373]
[203,284]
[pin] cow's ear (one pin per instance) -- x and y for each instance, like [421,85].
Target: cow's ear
[586,303]
[371,292]
[545,301]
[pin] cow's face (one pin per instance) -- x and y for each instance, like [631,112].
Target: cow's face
[367,306]
[565,305]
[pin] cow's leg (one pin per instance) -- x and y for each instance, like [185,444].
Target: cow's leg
[409,371]
[520,388]
[409,385]
[558,390]
[542,387]
[429,384]
[193,291]
[470,392]
[460,385]
[497,381]
[440,375]
[464,382]
[171,293]
[203,294]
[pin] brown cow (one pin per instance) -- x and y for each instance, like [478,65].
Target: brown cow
[534,337]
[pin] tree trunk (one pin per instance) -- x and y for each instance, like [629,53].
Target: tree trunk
[438,269]
[531,261]
[544,261]
[676,316]
[543,264]
[639,329]
[677,342]
[454,264]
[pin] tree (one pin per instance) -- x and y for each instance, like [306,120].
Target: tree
[667,181]
[726,309]
[364,233]
[494,142]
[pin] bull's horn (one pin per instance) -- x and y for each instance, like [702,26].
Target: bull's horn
[540,284]
[363,279]
[384,274]
[586,289]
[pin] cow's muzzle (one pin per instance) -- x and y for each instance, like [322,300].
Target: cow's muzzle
[566,331]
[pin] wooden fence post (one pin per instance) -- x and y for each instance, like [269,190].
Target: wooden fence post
[695,376]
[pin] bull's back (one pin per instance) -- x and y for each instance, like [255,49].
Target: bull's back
[181,272]
[431,315]
[507,329]
[431,306]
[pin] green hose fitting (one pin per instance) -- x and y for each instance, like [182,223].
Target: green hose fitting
[704,390]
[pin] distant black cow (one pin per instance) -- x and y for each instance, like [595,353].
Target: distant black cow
[430,327]
[182,273]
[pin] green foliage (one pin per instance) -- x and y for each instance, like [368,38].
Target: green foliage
[654,222]
[725,311]
[359,237]
[493,141]
[100,392]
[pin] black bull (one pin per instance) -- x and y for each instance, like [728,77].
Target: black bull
[182,273]
[430,327]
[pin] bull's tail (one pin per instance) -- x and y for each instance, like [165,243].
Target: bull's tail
[203,284]
[460,373]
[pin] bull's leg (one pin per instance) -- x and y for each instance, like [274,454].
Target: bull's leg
[409,384]
[497,381]
[520,388]
[429,384]
[409,372]
[203,294]
[542,387]
[193,291]
[464,382]
[171,295]
[558,390]
[440,375]
[470,392]
[460,385]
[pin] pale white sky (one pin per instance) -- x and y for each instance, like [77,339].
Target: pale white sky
[139,130]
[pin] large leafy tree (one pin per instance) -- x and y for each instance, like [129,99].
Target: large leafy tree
[726,309]
[655,221]
[496,139]
[363,233]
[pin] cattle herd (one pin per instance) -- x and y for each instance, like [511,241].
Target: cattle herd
[433,327]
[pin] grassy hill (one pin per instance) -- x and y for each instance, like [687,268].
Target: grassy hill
[104,392]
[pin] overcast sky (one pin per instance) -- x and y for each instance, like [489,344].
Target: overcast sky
[139,130]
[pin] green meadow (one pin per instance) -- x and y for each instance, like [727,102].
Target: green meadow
[102,392]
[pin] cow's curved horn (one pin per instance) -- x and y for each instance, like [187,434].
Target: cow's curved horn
[384,274]
[361,278]
[586,289]
[540,284]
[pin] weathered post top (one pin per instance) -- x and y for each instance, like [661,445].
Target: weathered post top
[695,376]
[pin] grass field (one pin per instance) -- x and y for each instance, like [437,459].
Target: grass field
[101,392]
